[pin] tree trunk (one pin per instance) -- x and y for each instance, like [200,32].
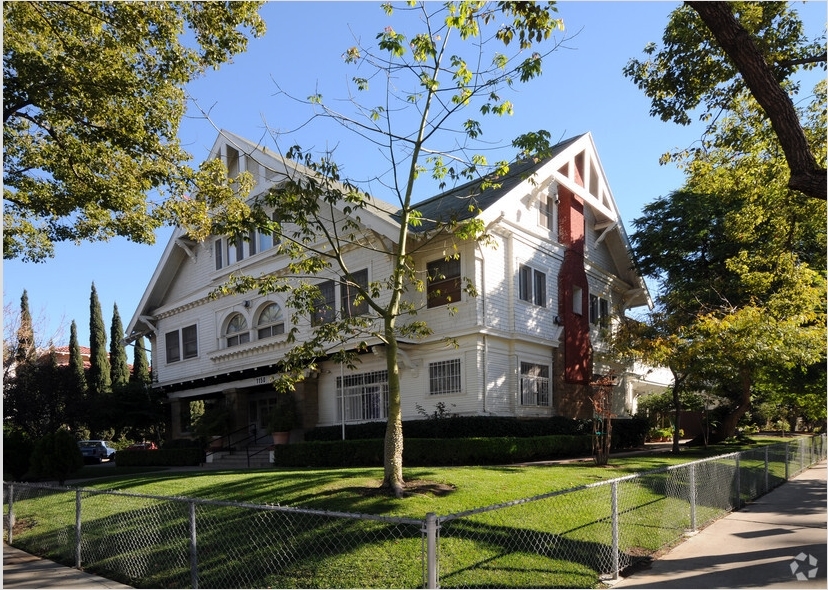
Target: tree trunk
[806,176]
[677,414]
[731,420]
[393,449]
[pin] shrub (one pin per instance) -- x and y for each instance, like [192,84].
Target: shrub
[168,456]
[17,450]
[56,456]
[433,452]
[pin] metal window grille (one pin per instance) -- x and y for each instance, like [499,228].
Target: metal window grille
[534,384]
[366,396]
[444,377]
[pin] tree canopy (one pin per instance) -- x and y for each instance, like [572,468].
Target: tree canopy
[714,51]
[740,258]
[93,93]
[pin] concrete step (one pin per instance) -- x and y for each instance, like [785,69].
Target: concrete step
[260,457]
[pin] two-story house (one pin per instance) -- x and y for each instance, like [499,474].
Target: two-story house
[556,271]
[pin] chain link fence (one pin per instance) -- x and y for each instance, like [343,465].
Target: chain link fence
[565,538]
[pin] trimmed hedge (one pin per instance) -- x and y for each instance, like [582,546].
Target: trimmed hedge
[162,457]
[626,433]
[420,452]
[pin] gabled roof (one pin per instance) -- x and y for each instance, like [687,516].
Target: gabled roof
[455,202]
[527,176]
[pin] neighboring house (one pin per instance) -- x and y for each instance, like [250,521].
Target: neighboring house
[558,271]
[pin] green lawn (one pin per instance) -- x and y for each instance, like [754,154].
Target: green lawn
[557,541]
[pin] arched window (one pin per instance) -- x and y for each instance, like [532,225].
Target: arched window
[271,322]
[237,331]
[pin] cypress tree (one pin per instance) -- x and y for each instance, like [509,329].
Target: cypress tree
[99,385]
[119,369]
[140,364]
[75,382]
[25,352]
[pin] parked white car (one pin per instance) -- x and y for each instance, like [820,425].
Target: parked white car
[96,450]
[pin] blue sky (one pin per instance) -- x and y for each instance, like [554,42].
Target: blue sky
[582,89]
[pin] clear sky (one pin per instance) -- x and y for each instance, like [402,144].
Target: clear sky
[582,89]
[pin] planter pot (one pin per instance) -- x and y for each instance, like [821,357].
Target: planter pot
[280,438]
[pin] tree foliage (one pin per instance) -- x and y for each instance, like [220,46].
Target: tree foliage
[713,52]
[425,121]
[93,93]
[118,366]
[56,456]
[740,258]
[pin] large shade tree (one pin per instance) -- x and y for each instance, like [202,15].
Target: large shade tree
[434,84]
[741,258]
[93,93]
[714,51]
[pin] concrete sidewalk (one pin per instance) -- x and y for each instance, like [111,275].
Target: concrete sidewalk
[778,541]
[21,570]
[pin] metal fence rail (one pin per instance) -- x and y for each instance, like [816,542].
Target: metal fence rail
[556,539]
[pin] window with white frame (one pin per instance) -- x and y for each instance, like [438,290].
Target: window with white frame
[235,250]
[577,300]
[353,305]
[271,322]
[534,384]
[444,377]
[532,285]
[598,310]
[443,282]
[363,396]
[181,344]
[325,304]
[546,211]
[237,332]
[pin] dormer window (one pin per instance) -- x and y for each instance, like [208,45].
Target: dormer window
[237,332]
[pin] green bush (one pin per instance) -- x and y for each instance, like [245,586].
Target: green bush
[181,456]
[17,450]
[459,427]
[56,456]
[433,452]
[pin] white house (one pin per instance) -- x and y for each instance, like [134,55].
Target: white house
[558,269]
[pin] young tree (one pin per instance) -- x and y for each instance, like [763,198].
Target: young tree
[713,51]
[118,366]
[93,94]
[424,130]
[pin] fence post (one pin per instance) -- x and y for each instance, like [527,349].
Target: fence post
[767,483]
[78,529]
[11,513]
[615,537]
[801,455]
[431,551]
[693,497]
[193,548]
[787,451]
[738,482]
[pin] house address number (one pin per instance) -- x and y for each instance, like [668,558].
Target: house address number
[262,380]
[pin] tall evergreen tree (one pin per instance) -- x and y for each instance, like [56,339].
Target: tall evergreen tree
[118,366]
[75,382]
[140,365]
[99,371]
[99,385]
[25,333]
